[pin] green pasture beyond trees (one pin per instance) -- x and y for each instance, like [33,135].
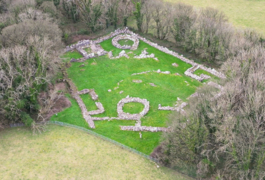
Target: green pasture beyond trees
[67,153]
[242,13]
[103,74]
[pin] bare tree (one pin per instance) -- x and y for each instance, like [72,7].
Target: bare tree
[147,11]
[111,8]
[90,12]
[224,136]
[126,9]
[162,14]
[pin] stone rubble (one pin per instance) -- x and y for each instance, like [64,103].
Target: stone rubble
[144,128]
[144,55]
[91,92]
[99,110]
[121,54]
[145,72]
[175,64]
[169,108]
[137,81]
[152,84]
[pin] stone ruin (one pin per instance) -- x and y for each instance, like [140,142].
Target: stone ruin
[144,54]
[92,93]
[115,42]
[99,110]
[121,54]
[189,72]
[127,34]
[169,108]
[98,51]
[127,116]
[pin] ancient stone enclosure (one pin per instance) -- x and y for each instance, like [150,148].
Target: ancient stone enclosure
[97,50]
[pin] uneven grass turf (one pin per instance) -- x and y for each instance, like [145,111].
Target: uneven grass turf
[67,153]
[103,74]
[244,13]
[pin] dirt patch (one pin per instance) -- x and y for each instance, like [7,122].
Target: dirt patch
[58,103]
[61,87]
[157,152]
[61,104]
[75,38]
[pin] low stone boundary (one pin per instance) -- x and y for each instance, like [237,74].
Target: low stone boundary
[127,116]
[91,92]
[144,128]
[189,72]
[125,36]
[98,111]
[169,108]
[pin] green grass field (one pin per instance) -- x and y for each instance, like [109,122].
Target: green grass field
[67,153]
[241,13]
[102,74]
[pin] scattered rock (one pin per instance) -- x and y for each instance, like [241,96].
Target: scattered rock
[121,92]
[93,63]
[82,65]
[152,84]
[73,60]
[82,69]
[166,72]
[175,65]
[109,90]
[177,74]
[158,71]
[137,81]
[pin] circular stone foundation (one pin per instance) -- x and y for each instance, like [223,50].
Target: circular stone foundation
[127,116]
[115,42]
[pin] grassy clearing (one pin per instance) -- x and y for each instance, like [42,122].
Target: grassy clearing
[103,74]
[133,108]
[66,153]
[242,13]
[125,42]
[88,50]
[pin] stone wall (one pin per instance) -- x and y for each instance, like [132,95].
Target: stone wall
[127,116]
[144,128]
[115,42]
[136,36]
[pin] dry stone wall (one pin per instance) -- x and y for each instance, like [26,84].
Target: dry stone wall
[127,116]
[115,42]
[144,128]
